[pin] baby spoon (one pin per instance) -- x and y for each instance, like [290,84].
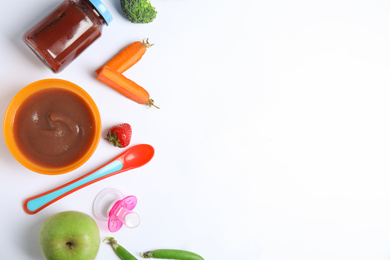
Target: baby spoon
[134,157]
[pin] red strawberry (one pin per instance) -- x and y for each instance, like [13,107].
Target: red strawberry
[119,135]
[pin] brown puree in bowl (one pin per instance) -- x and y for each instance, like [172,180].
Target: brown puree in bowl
[54,127]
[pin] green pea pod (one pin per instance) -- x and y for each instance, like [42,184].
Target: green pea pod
[171,254]
[120,251]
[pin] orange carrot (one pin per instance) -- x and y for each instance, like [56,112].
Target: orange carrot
[125,86]
[127,57]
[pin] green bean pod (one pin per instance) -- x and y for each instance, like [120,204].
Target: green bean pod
[119,250]
[171,254]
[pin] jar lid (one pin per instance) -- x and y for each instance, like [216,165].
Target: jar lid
[102,9]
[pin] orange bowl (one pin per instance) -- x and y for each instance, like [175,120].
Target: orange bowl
[21,97]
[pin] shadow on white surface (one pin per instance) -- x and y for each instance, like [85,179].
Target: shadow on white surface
[28,239]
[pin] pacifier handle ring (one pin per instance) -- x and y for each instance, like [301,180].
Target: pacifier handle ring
[104,194]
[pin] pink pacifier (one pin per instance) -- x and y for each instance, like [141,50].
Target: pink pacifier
[112,206]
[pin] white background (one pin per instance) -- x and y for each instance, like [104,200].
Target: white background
[272,141]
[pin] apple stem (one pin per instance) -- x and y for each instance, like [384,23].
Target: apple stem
[70,245]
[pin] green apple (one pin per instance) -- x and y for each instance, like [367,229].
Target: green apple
[69,235]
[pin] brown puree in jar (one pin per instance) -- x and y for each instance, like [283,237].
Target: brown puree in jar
[54,127]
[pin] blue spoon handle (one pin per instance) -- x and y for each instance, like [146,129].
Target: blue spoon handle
[37,203]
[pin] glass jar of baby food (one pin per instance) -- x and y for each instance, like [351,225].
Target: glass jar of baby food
[67,31]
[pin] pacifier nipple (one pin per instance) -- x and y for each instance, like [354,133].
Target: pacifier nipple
[111,205]
[128,217]
[132,220]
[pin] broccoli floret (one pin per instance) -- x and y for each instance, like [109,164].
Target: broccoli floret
[138,11]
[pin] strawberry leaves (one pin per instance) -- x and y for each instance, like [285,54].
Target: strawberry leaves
[119,135]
